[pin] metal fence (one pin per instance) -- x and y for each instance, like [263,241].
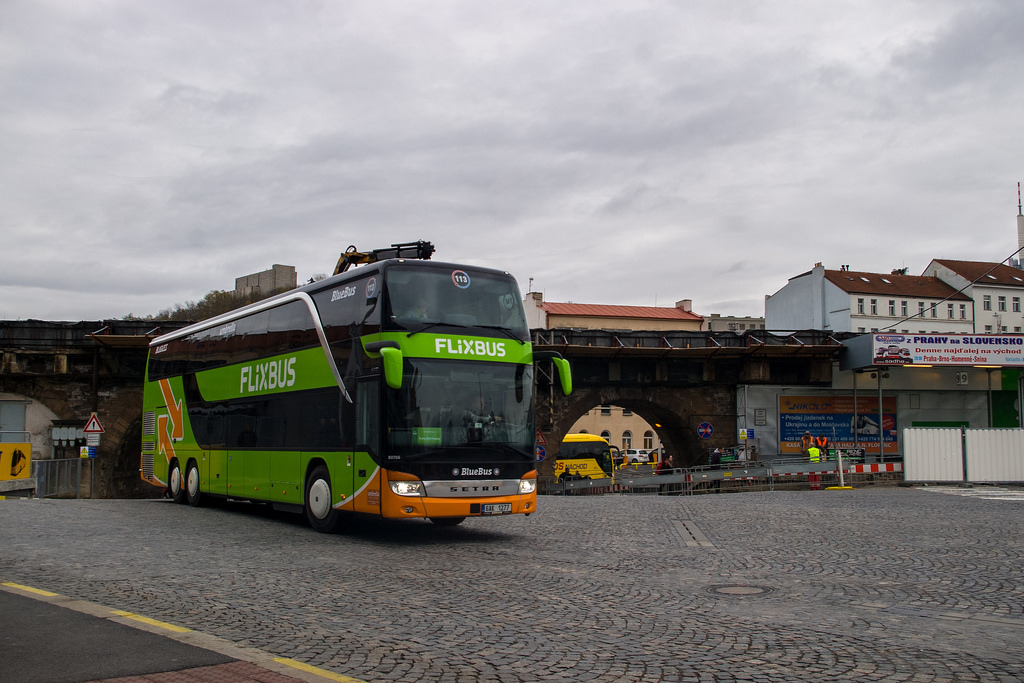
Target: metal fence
[964,455]
[58,478]
[730,478]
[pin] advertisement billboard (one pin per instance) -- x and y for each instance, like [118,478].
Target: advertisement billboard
[834,418]
[948,349]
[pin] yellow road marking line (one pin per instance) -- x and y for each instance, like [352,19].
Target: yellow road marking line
[30,589]
[151,622]
[315,670]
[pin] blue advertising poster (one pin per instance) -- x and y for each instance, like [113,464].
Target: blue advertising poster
[834,418]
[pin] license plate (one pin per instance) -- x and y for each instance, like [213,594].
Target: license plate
[496,509]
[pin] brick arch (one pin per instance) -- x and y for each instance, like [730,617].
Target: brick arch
[120,409]
[678,410]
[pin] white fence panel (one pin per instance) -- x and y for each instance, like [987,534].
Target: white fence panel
[995,455]
[932,455]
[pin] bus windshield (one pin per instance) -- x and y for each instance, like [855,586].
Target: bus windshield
[445,407]
[419,297]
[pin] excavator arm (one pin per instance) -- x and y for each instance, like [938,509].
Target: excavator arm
[352,257]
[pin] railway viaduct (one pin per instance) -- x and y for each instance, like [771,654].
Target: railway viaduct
[675,380]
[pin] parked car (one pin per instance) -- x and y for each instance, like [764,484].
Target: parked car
[633,455]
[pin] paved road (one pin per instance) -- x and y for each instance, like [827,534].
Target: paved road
[890,584]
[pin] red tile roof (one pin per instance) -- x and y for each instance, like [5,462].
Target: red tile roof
[915,286]
[985,273]
[606,311]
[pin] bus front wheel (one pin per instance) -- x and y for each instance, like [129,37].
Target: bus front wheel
[174,483]
[319,511]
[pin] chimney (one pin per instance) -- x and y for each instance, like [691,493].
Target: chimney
[686,305]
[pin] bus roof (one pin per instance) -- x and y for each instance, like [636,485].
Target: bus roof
[582,437]
[313,287]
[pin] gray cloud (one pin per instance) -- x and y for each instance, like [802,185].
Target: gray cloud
[615,152]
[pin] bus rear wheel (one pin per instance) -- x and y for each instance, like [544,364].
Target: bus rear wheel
[192,492]
[319,508]
[174,483]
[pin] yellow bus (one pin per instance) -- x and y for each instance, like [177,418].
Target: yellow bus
[584,456]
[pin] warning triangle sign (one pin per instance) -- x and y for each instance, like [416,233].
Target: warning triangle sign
[540,439]
[93,426]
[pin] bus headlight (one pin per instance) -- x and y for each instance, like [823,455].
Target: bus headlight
[527,485]
[407,488]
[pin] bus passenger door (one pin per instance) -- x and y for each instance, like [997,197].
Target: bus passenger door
[367,447]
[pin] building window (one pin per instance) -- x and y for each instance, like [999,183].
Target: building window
[874,307]
[988,328]
[892,307]
[860,306]
[1002,303]
[1016,304]
[920,308]
[606,410]
[861,329]
[949,311]
[903,308]
[626,412]
[963,311]
[986,302]
[627,439]
[935,310]
[648,440]
[1017,329]
[607,436]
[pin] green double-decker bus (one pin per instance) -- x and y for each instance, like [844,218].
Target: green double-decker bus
[400,389]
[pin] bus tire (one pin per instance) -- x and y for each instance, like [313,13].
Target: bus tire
[319,509]
[174,483]
[192,492]
[447,521]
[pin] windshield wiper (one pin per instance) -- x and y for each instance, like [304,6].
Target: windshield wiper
[427,326]
[508,332]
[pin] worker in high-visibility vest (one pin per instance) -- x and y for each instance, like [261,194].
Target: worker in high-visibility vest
[814,453]
[806,441]
[822,443]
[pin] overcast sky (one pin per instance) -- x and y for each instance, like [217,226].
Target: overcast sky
[614,151]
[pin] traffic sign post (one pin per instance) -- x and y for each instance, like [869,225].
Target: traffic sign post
[93,426]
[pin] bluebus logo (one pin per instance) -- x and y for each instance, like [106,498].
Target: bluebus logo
[274,374]
[469,347]
[343,293]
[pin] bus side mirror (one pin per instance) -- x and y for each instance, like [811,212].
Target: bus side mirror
[564,374]
[391,357]
[392,367]
[561,367]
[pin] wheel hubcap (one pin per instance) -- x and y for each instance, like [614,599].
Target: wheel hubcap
[175,481]
[193,482]
[319,498]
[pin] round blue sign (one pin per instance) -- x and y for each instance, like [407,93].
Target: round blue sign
[705,430]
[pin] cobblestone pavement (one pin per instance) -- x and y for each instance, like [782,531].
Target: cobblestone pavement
[892,584]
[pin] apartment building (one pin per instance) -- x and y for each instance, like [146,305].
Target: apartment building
[852,301]
[995,289]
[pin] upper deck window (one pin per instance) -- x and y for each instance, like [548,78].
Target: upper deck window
[457,297]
